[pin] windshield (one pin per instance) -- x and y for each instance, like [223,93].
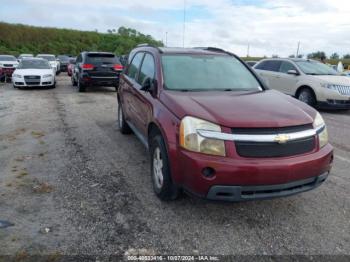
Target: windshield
[207,73]
[34,64]
[47,57]
[311,67]
[7,58]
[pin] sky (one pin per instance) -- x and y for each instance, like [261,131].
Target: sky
[268,27]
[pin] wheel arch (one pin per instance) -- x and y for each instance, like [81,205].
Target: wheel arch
[305,87]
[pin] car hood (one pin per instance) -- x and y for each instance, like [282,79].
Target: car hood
[13,63]
[39,72]
[240,109]
[334,79]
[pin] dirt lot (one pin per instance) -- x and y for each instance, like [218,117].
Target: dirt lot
[73,185]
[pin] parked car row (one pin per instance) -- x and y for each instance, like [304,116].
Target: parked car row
[8,63]
[240,131]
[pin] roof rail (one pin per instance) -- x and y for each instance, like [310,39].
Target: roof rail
[209,48]
[149,45]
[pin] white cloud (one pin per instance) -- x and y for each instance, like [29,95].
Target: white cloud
[270,27]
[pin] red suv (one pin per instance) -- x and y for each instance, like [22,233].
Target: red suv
[215,130]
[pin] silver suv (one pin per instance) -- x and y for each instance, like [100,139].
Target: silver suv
[308,80]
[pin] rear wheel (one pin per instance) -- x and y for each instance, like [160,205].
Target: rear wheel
[81,87]
[74,83]
[307,96]
[123,125]
[160,170]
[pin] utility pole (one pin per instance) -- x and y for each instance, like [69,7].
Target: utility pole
[184,25]
[248,50]
[298,49]
[166,39]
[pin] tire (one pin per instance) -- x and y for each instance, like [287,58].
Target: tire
[160,170]
[74,83]
[307,96]
[81,87]
[14,86]
[54,85]
[122,124]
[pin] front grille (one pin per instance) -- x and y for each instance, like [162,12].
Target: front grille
[8,65]
[344,90]
[31,77]
[32,80]
[274,149]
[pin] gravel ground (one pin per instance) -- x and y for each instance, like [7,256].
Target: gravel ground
[73,185]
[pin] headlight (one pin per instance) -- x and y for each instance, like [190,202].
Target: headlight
[17,76]
[47,76]
[323,135]
[192,141]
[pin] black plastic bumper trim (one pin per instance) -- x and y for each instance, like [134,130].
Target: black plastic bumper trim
[245,193]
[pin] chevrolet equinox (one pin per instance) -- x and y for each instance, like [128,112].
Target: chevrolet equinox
[213,129]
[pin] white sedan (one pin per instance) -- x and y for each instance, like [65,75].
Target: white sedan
[34,72]
[52,60]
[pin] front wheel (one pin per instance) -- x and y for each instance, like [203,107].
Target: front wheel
[306,96]
[160,170]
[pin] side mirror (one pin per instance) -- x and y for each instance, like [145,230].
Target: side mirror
[148,85]
[292,72]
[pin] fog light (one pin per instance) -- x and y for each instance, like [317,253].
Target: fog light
[208,172]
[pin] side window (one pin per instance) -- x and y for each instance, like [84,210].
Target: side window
[147,69]
[286,66]
[270,65]
[261,65]
[135,65]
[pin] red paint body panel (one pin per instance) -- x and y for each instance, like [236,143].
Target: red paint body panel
[165,109]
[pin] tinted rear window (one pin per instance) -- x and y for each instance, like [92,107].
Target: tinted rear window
[269,65]
[102,59]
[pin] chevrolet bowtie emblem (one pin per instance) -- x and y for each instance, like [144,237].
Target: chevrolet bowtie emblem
[282,139]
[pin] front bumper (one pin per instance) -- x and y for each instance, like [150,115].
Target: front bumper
[334,104]
[245,193]
[20,82]
[239,172]
[332,99]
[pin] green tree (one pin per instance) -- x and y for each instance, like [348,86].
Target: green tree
[17,38]
[334,56]
[317,55]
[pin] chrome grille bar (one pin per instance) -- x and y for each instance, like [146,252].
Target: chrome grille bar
[343,90]
[261,138]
